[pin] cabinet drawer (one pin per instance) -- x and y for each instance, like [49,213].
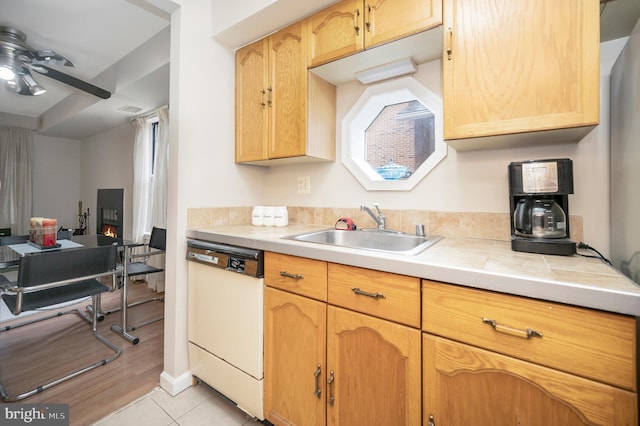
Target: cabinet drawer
[306,277]
[381,294]
[589,343]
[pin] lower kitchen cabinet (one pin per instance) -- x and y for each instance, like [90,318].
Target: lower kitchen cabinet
[507,360]
[294,359]
[374,371]
[465,385]
[343,347]
[326,364]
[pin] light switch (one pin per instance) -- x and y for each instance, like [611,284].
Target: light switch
[304,184]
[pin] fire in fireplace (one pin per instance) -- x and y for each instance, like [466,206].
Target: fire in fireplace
[110,212]
[110,231]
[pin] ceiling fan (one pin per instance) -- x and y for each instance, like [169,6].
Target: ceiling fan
[18,59]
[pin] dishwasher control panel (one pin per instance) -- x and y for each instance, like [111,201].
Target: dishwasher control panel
[231,258]
[208,257]
[204,256]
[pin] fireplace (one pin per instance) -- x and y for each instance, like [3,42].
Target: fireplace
[110,212]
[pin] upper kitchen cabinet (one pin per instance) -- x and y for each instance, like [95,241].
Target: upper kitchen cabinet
[252,114]
[519,68]
[283,112]
[351,26]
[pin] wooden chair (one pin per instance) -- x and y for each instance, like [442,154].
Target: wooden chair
[50,278]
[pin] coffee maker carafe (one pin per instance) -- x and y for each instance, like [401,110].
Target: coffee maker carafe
[542,218]
[539,202]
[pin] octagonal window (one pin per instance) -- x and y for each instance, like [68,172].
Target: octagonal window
[392,136]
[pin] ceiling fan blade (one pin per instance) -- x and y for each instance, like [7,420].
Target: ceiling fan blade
[71,81]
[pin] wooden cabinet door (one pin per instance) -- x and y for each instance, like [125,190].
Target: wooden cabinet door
[288,75]
[465,385]
[386,20]
[376,371]
[294,349]
[252,107]
[335,32]
[519,66]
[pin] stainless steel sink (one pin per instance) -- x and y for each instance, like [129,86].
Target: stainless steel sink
[386,241]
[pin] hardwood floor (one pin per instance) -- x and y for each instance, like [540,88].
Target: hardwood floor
[34,354]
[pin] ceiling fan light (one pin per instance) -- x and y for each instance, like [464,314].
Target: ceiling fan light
[12,85]
[37,90]
[33,85]
[7,73]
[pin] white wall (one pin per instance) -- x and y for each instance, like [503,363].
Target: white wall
[57,179]
[107,162]
[67,171]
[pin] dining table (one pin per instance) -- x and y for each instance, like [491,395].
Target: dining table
[10,258]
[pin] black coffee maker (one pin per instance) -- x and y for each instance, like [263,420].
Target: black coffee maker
[539,206]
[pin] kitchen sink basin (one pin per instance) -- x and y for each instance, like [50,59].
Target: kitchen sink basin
[386,241]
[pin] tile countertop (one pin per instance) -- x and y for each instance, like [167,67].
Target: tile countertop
[483,264]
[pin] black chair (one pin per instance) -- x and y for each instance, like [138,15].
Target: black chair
[157,245]
[138,265]
[4,283]
[50,278]
[13,239]
[64,234]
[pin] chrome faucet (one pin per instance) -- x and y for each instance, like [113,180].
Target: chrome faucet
[380,219]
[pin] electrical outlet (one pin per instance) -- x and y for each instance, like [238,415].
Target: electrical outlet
[304,184]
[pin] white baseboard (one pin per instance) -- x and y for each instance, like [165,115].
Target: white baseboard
[175,385]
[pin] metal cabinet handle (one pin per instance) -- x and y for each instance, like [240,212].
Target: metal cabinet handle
[375,295]
[526,334]
[356,18]
[368,22]
[262,102]
[269,91]
[316,374]
[449,43]
[292,276]
[330,383]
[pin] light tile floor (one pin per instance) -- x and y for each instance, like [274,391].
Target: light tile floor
[196,406]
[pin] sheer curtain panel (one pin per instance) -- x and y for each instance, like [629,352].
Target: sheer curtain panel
[159,192]
[142,152]
[16,158]
[160,178]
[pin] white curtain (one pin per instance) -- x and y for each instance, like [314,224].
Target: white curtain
[150,194]
[159,192]
[160,178]
[142,151]
[15,179]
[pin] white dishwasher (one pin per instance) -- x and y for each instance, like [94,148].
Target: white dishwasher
[225,321]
